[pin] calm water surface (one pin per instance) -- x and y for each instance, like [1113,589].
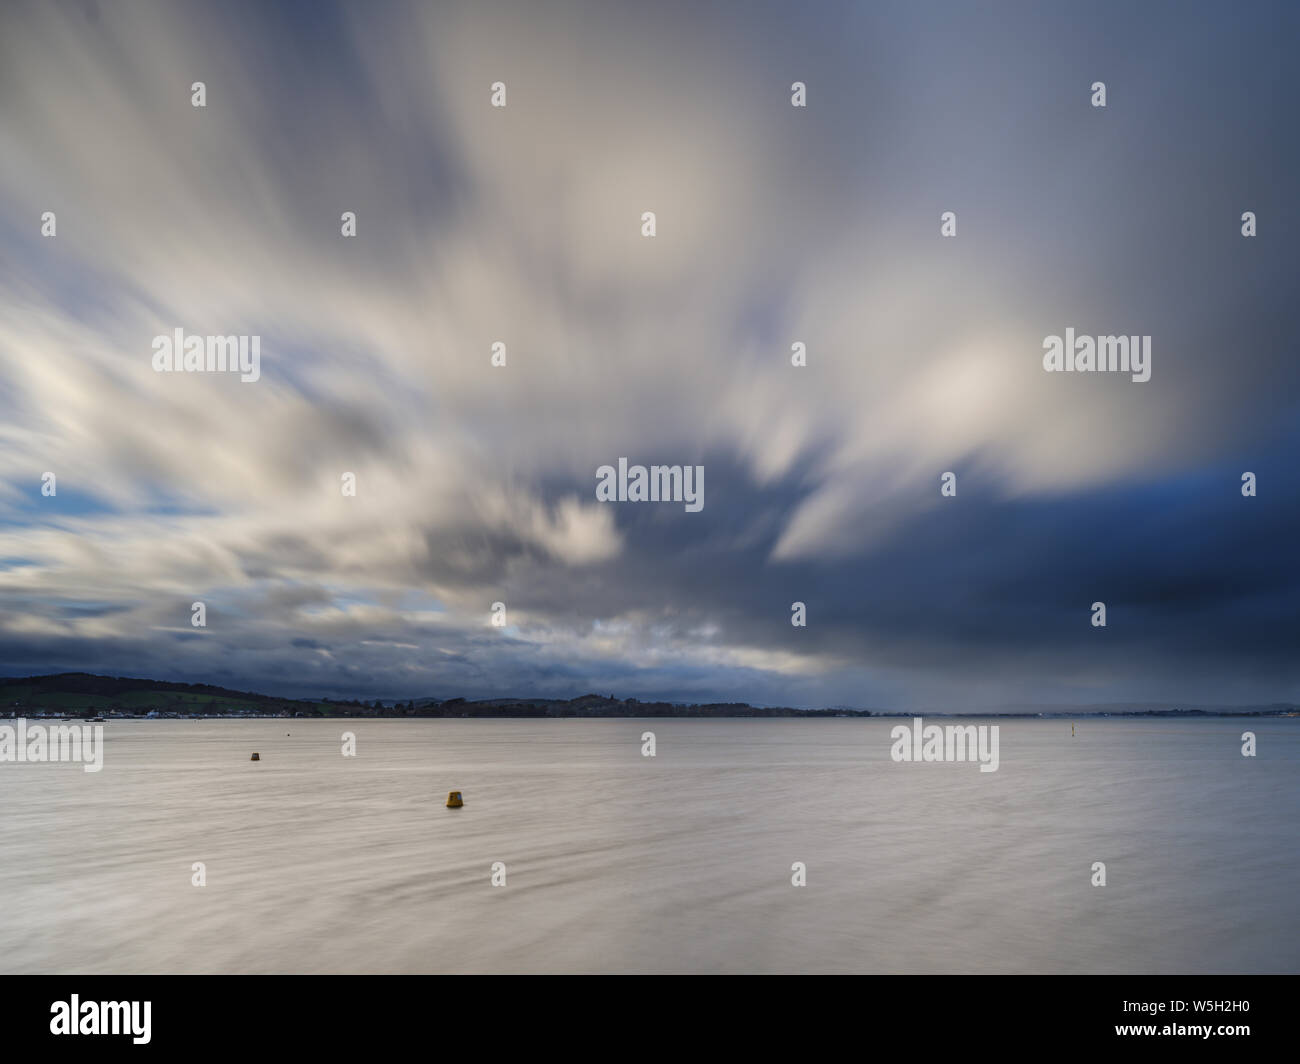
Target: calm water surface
[681,863]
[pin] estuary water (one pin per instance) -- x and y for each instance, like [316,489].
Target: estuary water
[681,862]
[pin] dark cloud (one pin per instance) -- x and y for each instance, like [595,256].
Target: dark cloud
[476,485]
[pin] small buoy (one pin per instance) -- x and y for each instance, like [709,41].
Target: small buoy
[454,800]
[256,757]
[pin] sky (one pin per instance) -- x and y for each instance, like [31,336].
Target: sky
[774,225]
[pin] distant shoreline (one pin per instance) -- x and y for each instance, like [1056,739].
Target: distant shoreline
[79,696]
[687,713]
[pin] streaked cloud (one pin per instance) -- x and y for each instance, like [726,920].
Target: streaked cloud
[475,225]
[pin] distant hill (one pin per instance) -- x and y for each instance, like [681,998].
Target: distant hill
[84,694]
[80,694]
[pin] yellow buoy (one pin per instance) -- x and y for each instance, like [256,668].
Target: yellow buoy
[255,757]
[454,800]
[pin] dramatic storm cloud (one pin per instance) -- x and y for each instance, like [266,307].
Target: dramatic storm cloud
[775,224]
